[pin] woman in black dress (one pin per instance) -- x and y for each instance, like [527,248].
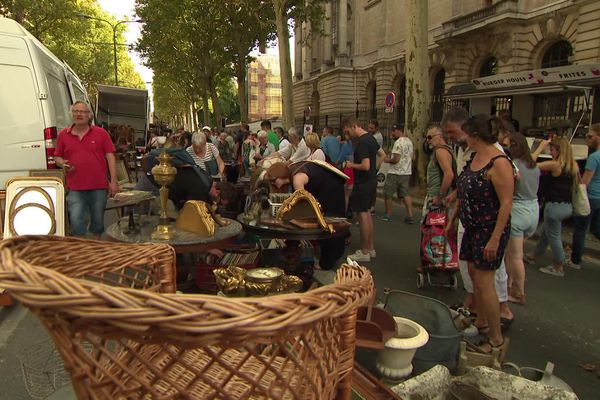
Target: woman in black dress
[485,192]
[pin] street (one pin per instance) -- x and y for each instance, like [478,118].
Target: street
[559,323]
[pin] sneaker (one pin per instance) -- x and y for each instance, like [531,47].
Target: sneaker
[386,218]
[571,264]
[373,254]
[359,256]
[409,220]
[550,270]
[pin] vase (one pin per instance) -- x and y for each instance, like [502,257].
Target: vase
[394,362]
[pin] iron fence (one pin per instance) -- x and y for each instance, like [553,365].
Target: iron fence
[364,115]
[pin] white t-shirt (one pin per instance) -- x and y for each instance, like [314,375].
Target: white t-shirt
[295,153]
[283,143]
[403,146]
[318,154]
[379,138]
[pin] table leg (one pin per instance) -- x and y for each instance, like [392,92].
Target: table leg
[131,226]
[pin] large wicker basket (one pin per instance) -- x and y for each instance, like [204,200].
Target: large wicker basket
[151,345]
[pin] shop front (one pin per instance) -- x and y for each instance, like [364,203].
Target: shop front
[556,100]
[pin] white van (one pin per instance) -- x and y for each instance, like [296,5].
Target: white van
[36,93]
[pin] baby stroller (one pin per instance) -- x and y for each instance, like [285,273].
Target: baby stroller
[439,255]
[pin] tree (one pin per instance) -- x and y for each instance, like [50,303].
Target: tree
[298,11]
[168,102]
[84,44]
[417,80]
[183,41]
[250,22]
[212,41]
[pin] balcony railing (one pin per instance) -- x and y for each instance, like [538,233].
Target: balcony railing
[496,9]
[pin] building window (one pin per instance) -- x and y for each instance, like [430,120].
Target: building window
[489,67]
[437,98]
[554,109]
[557,55]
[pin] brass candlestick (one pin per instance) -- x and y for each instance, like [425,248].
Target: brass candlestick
[164,174]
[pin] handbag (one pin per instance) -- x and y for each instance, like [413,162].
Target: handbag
[580,201]
[212,167]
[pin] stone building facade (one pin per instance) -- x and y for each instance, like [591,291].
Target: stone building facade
[361,57]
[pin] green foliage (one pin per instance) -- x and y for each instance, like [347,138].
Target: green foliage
[197,46]
[167,103]
[85,44]
[202,44]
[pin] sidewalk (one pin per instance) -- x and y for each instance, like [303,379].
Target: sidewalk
[592,245]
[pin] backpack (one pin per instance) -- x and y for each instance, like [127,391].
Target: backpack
[437,249]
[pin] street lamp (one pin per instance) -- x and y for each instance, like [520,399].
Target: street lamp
[114,29]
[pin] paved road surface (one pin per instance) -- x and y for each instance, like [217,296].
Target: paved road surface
[560,322]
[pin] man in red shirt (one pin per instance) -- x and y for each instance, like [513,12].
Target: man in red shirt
[87,154]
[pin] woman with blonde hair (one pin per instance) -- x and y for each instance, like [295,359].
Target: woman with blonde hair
[314,145]
[557,191]
[206,155]
[524,214]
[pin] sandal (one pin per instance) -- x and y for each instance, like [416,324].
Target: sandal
[517,299]
[488,351]
[464,310]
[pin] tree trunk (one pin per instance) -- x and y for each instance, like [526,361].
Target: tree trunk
[205,110]
[240,75]
[194,116]
[417,80]
[285,64]
[215,103]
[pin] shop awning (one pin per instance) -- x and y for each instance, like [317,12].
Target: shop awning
[468,91]
[547,80]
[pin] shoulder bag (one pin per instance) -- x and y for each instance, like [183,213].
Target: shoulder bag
[580,201]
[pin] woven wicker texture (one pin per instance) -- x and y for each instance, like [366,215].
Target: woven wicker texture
[124,343]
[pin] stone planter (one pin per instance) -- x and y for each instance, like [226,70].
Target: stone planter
[394,362]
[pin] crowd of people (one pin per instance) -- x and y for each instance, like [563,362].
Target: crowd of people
[495,186]
[480,168]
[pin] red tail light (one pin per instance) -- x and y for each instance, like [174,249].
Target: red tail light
[50,135]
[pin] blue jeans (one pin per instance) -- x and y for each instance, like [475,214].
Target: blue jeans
[554,215]
[82,203]
[580,227]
